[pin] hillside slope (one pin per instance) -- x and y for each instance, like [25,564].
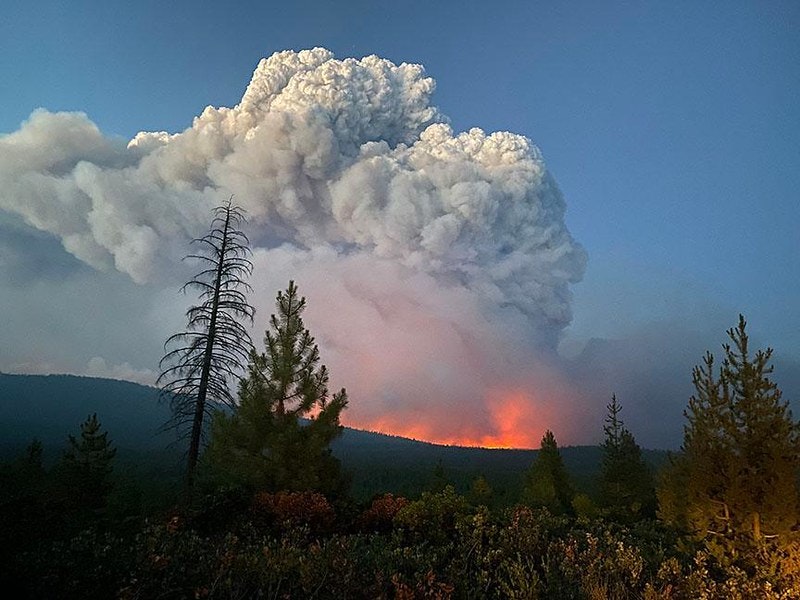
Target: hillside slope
[49,407]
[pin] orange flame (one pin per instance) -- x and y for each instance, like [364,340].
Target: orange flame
[514,420]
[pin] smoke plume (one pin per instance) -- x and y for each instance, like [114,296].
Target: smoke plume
[437,264]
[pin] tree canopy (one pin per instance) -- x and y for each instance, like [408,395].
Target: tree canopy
[279,436]
[547,483]
[734,484]
[626,483]
[84,473]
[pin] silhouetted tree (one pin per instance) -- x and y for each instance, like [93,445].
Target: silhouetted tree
[627,490]
[215,346]
[85,470]
[734,484]
[547,482]
[279,437]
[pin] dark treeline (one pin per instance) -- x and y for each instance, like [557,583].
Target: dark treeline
[264,508]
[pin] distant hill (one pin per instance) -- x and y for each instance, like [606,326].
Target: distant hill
[49,407]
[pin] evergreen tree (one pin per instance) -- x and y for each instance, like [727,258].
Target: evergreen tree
[85,469]
[279,437]
[547,482]
[734,484]
[626,483]
[215,346]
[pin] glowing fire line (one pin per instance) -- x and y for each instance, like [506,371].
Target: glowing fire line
[515,420]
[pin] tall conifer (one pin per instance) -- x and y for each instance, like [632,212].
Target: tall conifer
[280,435]
[626,484]
[547,483]
[734,484]
[86,468]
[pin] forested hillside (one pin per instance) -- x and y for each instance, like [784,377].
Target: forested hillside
[50,407]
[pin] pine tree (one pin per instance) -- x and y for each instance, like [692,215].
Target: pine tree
[734,483]
[86,469]
[626,484]
[547,482]
[215,347]
[279,437]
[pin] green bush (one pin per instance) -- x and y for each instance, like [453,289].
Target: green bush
[433,517]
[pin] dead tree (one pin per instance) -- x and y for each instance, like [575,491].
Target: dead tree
[215,347]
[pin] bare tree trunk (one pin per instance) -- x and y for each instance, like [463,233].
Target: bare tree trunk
[200,404]
[215,347]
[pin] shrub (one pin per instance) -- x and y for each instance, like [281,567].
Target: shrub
[433,516]
[379,517]
[292,509]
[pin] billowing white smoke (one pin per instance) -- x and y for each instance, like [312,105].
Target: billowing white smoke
[357,188]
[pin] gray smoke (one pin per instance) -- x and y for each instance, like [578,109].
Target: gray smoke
[437,265]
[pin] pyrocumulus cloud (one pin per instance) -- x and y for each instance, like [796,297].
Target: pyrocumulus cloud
[437,264]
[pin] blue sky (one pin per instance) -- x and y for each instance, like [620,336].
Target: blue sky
[672,128]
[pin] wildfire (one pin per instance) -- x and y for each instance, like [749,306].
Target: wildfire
[514,420]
